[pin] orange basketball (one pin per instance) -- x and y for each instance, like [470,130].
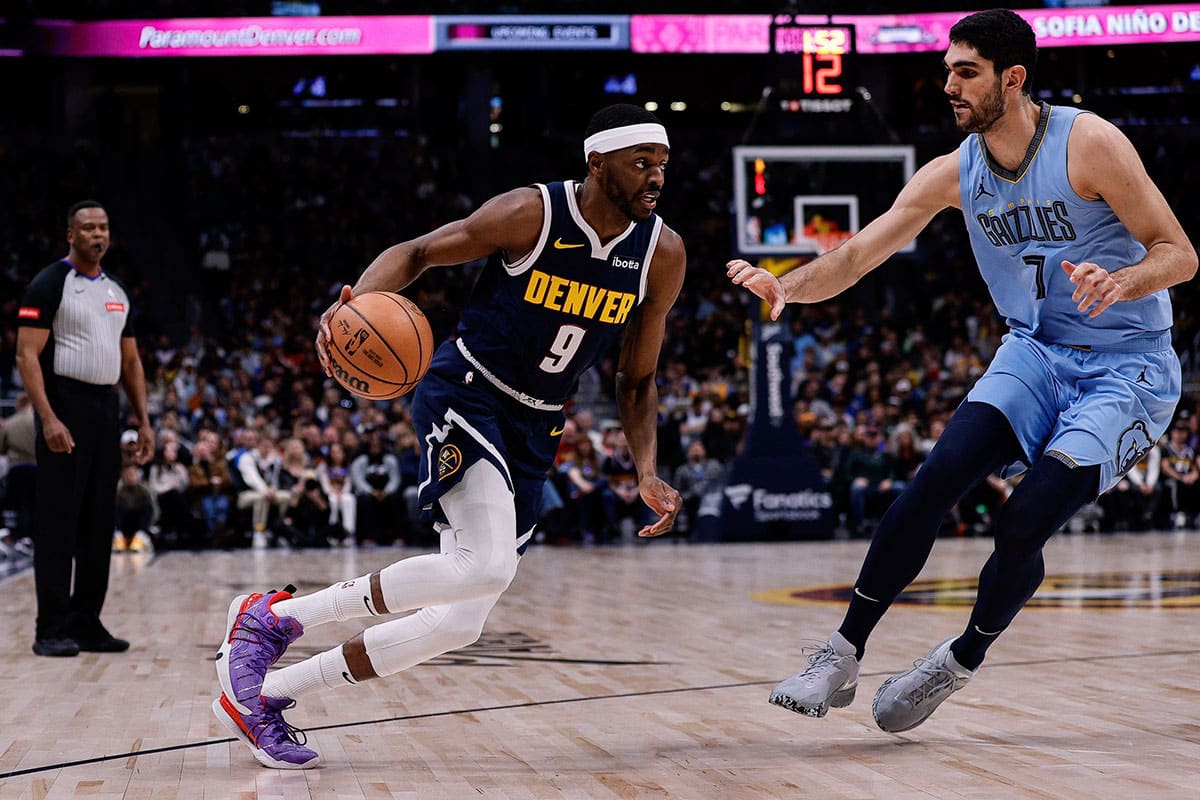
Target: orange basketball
[380,345]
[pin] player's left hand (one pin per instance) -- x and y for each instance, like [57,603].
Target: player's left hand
[663,500]
[1094,285]
[323,332]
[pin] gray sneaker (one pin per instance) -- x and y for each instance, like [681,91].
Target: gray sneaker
[906,700]
[830,679]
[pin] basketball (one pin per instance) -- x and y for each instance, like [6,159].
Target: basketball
[380,345]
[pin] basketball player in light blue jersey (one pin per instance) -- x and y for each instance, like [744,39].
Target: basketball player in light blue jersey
[1078,248]
[576,270]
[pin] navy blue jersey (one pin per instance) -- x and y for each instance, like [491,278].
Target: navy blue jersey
[533,326]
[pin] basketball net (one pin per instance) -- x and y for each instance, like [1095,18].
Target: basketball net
[830,240]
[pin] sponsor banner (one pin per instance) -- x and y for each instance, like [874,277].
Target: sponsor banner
[772,429]
[640,33]
[526,32]
[238,36]
[768,498]
[912,33]
[1065,27]
[774,489]
[706,33]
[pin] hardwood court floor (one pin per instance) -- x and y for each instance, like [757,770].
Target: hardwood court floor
[632,672]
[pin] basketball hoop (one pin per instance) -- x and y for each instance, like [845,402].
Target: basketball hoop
[824,242]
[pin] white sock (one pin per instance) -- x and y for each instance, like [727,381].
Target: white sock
[955,667]
[840,645]
[336,603]
[328,669]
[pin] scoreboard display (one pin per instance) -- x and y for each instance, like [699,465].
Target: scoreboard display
[818,58]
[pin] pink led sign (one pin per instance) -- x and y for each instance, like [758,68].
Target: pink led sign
[910,33]
[240,36]
[705,33]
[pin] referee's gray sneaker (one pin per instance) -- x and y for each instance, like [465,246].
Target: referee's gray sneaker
[906,700]
[830,679]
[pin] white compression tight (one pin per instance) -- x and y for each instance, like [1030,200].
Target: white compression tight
[454,590]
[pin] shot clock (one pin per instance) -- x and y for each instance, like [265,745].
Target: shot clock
[816,58]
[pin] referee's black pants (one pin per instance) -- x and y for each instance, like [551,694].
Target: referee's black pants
[76,506]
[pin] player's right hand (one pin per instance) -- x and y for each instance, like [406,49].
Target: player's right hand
[58,438]
[324,333]
[758,281]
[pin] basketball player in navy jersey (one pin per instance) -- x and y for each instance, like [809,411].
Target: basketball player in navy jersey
[1078,248]
[575,270]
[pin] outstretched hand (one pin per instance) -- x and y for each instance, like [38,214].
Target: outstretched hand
[1093,285]
[760,282]
[323,331]
[663,500]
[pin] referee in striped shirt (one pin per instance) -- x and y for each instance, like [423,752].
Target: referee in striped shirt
[74,342]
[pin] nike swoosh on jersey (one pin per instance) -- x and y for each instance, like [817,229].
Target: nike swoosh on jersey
[559,244]
[557,431]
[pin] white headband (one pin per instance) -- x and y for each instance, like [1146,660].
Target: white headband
[625,136]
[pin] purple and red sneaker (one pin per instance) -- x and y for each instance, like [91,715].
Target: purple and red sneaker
[255,638]
[270,738]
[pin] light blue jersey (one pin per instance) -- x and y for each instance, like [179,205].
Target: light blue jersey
[1085,391]
[1023,224]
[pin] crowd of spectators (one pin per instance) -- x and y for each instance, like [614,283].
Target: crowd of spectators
[258,448]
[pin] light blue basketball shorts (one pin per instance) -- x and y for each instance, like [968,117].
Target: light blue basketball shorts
[1082,406]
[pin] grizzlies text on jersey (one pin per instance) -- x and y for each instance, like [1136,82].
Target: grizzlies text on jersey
[1024,223]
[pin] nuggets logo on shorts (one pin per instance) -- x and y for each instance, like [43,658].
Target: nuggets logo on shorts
[1133,443]
[449,460]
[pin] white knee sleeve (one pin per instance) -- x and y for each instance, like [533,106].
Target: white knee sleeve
[401,643]
[479,555]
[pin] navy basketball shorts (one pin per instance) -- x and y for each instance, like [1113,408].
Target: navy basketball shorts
[463,419]
[1081,406]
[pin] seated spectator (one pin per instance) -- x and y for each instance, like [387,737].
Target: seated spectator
[408,456]
[906,455]
[693,479]
[17,442]
[334,476]
[376,478]
[1180,472]
[135,512]
[258,468]
[168,479]
[584,487]
[209,482]
[306,522]
[624,511]
[871,476]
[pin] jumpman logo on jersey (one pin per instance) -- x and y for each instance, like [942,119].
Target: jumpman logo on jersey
[1142,379]
[982,190]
